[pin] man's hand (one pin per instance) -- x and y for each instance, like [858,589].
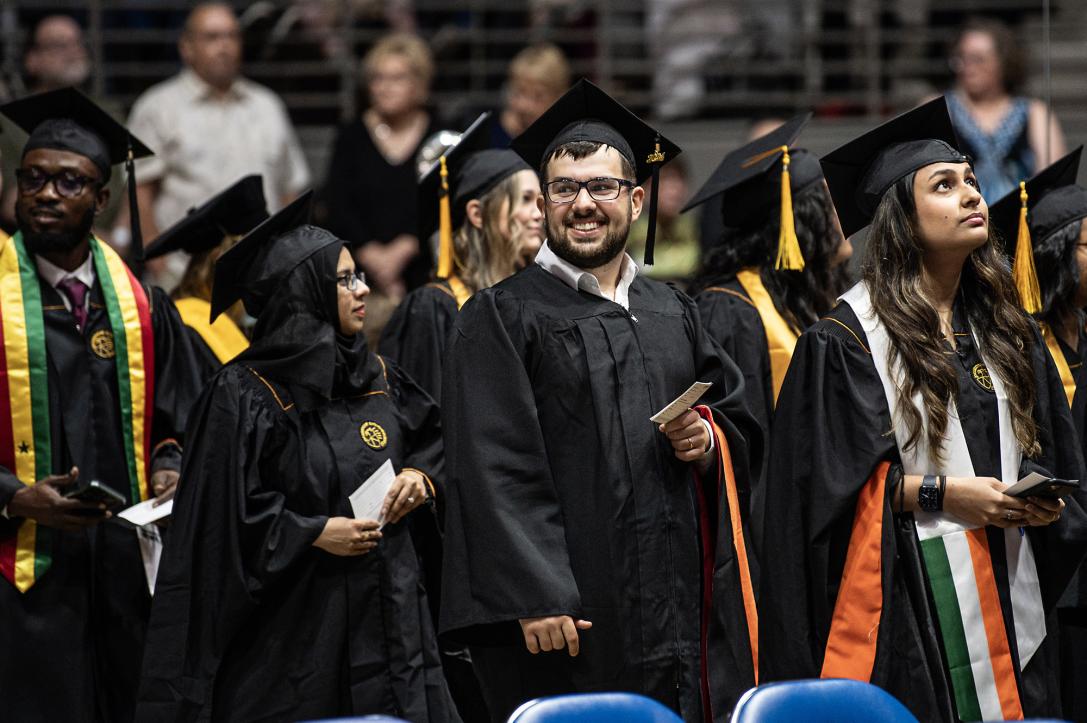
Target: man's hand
[163,485]
[688,436]
[553,633]
[348,537]
[45,503]
[407,492]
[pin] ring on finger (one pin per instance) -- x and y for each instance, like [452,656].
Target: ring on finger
[411,500]
[1010,516]
[690,443]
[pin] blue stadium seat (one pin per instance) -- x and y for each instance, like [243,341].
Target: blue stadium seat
[594,708]
[819,701]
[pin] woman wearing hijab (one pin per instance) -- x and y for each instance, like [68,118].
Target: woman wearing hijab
[273,602]
[890,552]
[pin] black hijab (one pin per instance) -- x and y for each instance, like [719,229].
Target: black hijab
[296,341]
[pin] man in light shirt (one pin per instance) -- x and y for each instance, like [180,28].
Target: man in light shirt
[209,127]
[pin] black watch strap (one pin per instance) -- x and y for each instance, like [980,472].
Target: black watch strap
[928,495]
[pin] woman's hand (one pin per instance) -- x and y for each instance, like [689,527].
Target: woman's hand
[981,501]
[1042,512]
[407,492]
[347,537]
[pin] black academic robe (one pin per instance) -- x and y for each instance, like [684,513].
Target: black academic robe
[731,319]
[1072,609]
[829,434]
[415,337]
[74,641]
[564,498]
[250,621]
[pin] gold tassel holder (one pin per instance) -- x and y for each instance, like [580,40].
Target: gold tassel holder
[1026,278]
[445,226]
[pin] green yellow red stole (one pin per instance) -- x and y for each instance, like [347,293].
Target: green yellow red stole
[25,444]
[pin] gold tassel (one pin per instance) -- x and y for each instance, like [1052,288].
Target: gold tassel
[1026,278]
[445,226]
[789,255]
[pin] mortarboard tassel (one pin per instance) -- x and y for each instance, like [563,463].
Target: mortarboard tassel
[789,254]
[445,226]
[133,206]
[1026,278]
[656,160]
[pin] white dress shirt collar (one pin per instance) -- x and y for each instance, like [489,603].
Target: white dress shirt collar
[53,275]
[582,280]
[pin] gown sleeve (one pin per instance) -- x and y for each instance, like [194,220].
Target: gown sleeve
[416,336]
[178,373]
[421,425]
[231,538]
[830,431]
[505,547]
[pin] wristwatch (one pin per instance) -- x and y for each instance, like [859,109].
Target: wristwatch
[928,495]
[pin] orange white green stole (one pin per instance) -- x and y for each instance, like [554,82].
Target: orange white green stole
[26,448]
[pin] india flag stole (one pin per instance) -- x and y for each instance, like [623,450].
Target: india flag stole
[25,442]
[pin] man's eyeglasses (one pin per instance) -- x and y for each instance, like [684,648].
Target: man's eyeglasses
[565,190]
[68,184]
[351,281]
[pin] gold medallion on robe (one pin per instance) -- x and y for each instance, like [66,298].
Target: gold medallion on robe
[102,344]
[374,435]
[981,377]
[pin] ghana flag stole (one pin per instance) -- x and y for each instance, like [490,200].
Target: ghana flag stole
[25,444]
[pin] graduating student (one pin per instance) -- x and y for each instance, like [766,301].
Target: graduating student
[96,379]
[489,197]
[1046,216]
[274,603]
[205,233]
[778,267]
[587,547]
[890,552]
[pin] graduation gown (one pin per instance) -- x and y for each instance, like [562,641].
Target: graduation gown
[73,642]
[829,437]
[250,621]
[563,498]
[415,337]
[216,342]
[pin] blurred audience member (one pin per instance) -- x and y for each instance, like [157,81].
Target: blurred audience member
[210,127]
[56,56]
[677,251]
[370,194]
[537,76]
[1003,131]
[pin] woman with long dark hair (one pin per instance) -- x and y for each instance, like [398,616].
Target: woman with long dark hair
[1057,248]
[753,309]
[890,552]
[274,602]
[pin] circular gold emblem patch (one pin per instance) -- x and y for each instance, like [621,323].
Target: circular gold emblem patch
[102,344]
[981,377]
[374,435]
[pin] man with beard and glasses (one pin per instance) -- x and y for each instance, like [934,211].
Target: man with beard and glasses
[587,547]
[96,378]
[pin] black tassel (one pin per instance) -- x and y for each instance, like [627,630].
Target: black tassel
[656,160]
[133,207]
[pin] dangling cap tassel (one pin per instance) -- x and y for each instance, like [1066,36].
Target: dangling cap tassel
[133,206]
[656,160]
[789,254]
[1026,278]
[445,226]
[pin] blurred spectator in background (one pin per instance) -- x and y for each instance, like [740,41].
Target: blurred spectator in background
[209,127]
[56,56]
[677,250]
[1004,132]
[370,194]
[537,76]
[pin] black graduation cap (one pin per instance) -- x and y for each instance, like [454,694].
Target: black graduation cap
[234,211]
[67,120]
[861,171]
[252,269]
[586,113]
[438,184]
[1038,207]
[763,174]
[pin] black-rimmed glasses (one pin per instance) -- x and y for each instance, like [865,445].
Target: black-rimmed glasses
[68,184]
[566,190]
[351,280]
